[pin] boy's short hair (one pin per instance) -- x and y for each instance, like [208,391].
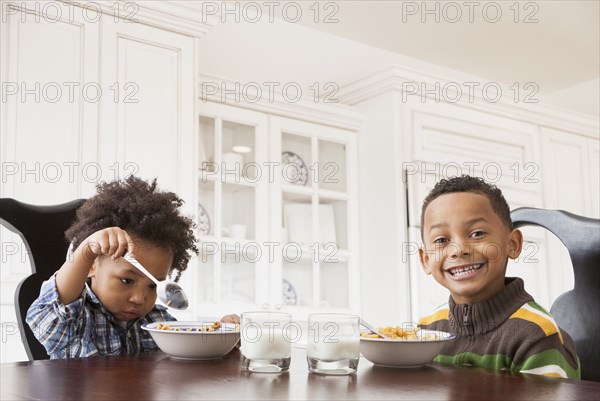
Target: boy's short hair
[139,208]
[466,183]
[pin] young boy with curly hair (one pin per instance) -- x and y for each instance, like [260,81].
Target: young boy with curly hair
[96,303]
[468,238]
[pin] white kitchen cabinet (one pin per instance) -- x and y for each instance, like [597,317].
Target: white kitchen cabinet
[570,164]
[571,183]
[320,253]
[297,250]
[96,97]
[49,130]
[450,140]
[148,115]
[232,210]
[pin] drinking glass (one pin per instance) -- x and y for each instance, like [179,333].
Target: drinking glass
[266,343]
[333,344]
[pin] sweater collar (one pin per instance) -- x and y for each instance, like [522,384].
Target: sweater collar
[483,317]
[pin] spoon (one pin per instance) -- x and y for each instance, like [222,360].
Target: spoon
[372,329]
[169,293]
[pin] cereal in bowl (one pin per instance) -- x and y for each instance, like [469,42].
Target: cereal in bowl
[206,328]
[393,333]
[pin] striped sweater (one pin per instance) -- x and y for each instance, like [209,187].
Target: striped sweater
[509,331]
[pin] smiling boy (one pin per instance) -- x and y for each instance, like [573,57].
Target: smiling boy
[468,238]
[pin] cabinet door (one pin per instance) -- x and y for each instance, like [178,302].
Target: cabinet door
[313,217]
[233,180]
[147,111]
[566,171]
[49,125]
[570,183]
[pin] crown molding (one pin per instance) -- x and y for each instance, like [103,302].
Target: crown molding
[175,16]
[331,114]
[396,78]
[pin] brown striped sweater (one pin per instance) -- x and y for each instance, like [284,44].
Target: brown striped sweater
[509,331]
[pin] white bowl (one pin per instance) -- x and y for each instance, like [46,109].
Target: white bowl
[404,353]
[194,344]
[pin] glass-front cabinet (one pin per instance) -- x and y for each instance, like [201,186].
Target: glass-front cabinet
[276,214]
[313,217]
[232,199]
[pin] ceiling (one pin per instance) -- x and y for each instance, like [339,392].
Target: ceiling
[560,52]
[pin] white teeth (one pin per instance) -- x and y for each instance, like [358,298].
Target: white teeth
[464,270]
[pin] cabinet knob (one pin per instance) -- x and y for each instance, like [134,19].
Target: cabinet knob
[277,306]
[265,306]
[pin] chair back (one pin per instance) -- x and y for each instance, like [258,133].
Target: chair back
[41,229]
[576,311]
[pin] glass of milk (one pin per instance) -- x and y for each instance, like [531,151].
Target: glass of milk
[333,344]
[266,341]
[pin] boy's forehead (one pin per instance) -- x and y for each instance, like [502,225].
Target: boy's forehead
[123,266]
[463,204]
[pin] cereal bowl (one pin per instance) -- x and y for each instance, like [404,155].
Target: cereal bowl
[194,340]
[416,351]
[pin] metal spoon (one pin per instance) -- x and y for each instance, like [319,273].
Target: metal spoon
[169,293]
[372,329]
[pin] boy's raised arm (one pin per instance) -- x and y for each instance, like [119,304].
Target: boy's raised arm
[72,275]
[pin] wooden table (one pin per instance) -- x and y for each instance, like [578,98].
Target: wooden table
[156,376]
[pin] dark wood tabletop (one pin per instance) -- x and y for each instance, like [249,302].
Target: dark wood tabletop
[156,376]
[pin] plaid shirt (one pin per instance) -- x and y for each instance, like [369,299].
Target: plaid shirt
[85,327]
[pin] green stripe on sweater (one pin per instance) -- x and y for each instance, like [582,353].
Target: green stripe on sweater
[537,306]
[548,357]
[504,362]
[492,361]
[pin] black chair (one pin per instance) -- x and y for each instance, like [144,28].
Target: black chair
[576,311]
[42,230]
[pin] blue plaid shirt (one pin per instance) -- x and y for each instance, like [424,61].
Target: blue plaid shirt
[85,327]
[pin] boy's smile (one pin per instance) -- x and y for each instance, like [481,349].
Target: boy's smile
[466,246]
[464,272]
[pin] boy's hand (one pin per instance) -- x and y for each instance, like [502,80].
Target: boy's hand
[231,319]
[71,277]
[112,241]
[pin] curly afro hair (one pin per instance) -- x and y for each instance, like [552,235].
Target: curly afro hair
[466,183]
[146,213]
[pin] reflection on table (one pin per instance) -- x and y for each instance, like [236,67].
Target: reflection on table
[157,376]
